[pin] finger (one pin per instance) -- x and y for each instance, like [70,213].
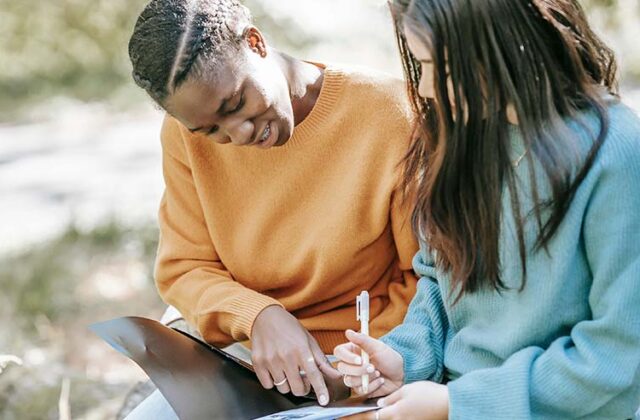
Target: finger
[391,399]
[375,385]
[321,360]
[262,372]
[264,377]
[292,370]
[279,378]
[371,388]
[381,389]
[307,385]
[348,353]
[356,381]
[366,343]
[355,370]
[314,376]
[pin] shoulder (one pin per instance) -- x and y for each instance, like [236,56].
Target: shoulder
[171,131]
[377,92]
[621,148]
[172,138]
[615,171]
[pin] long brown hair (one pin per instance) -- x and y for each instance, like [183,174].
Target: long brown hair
[538,56]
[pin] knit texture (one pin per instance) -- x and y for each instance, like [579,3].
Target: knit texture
[568,345]
[305,226]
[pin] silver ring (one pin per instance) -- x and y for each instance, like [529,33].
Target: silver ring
[282,382]
[378,414]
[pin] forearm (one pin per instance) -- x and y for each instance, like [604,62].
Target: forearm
[421,337]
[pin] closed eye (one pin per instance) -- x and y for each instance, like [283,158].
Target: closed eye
[238,107]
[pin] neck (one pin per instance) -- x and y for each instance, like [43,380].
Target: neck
[305,81]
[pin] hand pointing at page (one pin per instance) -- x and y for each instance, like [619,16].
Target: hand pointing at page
[282,348]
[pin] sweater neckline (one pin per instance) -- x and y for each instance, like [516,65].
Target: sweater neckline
[329,92]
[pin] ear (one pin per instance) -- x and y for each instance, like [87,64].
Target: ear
[255,41]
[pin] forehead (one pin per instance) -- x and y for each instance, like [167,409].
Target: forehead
[417,43]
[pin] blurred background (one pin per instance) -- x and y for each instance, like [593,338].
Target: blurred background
[80,177]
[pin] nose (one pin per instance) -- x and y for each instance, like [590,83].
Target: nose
[423,88]
[426,84]
[239,131]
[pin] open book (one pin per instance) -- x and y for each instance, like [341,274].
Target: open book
[201,381]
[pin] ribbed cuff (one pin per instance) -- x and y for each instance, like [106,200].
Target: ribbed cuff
[246,310]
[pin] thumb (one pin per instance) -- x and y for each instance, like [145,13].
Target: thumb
[366,343]
[391,399]
[322,362]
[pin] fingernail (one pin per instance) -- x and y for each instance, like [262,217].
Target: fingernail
[371,369]
[381,402]
[381,381]
[377,373]
[358,360]
[323,400]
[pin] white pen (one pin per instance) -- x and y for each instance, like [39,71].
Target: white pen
[362,315]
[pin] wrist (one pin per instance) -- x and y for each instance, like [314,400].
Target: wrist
[265,315]
[400,364]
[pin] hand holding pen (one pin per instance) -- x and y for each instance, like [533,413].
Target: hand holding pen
[384,371]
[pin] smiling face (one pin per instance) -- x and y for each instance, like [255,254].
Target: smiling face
[244,100]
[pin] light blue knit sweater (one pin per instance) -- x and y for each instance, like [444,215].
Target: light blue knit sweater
[568,345]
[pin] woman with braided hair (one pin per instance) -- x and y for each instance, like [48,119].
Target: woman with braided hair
[281,200]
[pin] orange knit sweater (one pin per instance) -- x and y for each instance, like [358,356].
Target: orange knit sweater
[306,226]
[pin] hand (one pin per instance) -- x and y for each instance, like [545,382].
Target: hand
[420,400]
[281,348]
[385,370]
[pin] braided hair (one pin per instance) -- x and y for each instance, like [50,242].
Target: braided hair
[177,39]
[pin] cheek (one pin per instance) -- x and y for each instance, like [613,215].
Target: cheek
[425,88]
[271,94]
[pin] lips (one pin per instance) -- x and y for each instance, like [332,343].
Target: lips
[268,136]
[265,134]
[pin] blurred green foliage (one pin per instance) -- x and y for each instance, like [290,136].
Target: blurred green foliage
[63,47]
[78,48]
[50,293]
[42,281]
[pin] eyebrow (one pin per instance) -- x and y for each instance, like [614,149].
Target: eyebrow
[223,105]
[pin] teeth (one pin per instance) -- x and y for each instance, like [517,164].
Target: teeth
[265,134]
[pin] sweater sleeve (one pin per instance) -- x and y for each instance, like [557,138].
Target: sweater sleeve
[594,372]
[420,339]
[403,287]
[189,274]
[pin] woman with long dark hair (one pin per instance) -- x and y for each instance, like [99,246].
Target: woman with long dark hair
[526,169]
